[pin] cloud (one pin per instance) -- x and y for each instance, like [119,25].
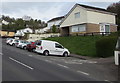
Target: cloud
[41,10]
[98,4]
[59,0]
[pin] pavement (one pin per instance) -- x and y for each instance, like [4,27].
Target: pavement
[108,64]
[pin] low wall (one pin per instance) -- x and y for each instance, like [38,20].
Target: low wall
[33,37]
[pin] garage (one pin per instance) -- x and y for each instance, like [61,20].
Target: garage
[65,31]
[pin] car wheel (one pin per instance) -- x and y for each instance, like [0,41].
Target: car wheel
[13,44]
[24,48]
[46,53]
[65,54]
[33,50]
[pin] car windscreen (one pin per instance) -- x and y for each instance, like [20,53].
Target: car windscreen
[16,41]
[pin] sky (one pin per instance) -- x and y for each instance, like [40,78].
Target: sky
[46,9]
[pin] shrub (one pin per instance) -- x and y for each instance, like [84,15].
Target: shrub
[105,46]
[115,33]
[53,28]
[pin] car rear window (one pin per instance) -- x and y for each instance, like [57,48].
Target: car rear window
[39,42]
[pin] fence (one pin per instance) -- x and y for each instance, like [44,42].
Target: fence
[88,34]
[32,37]
[93,33]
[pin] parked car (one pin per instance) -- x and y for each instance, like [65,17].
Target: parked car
[51,48]
[12,42]
[31,46]
[19,43]
[24,45]
[8,40]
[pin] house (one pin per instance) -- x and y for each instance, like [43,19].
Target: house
[11,34]
[43,30]
[55,21]
[22,32]
[5,22]
[3,33]
[7,33]
[87,19]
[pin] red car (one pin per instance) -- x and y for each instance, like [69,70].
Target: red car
[31,46]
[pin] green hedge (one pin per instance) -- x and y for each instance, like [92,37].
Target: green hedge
[115,33]
[105,46]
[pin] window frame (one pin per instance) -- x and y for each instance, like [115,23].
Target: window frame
[59,45]
[77,15]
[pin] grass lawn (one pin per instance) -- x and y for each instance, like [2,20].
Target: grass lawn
[79,44]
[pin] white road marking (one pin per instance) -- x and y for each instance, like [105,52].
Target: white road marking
[1,53]
[48,61]
[21,63]
[72,62]
[83,72]
[108,81]
[63,66]
[30,55]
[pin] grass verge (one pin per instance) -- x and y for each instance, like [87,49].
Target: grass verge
[79,44]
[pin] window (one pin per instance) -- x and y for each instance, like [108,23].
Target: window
[104,27]
[39,43]
[81,28]
[74,29]
[78,28]
[58,45]
[27,31]
[77,15]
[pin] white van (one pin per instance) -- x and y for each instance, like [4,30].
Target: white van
[51,48]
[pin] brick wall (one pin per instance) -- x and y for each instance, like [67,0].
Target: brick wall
[92,27]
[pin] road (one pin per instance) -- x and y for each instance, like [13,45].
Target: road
[21,65]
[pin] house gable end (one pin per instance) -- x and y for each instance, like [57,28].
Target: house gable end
[70,17]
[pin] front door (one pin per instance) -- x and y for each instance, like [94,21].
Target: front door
[105,28]
[58,49]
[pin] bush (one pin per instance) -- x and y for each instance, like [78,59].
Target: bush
[115,33]
[105,46]
[53,28]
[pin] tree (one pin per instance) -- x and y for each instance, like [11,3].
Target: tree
[54,29]
[16,24]
[115,8]
[39,21]
[20,23]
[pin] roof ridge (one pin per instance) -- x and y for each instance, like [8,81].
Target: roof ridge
[56,18]
[90,6]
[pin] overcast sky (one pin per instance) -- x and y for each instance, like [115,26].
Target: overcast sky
[45,10]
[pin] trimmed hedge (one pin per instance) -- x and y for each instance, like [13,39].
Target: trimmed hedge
[115,33]
[105,46]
